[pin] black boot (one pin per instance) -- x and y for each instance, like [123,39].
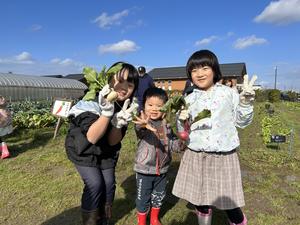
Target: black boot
[91,217]
[108,214]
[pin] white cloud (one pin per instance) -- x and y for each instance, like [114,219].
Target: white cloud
[23,63]
[22,58]
[121,47]
[66,62]
[36,27]
[106,21]
[280,12]
[206,41]
[246,42]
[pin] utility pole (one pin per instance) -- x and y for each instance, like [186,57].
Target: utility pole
[275,77]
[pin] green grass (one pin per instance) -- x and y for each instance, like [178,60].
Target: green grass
[38,184]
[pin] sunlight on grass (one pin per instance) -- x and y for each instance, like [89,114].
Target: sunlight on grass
[39,185]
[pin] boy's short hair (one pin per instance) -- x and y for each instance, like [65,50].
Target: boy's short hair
[155,92]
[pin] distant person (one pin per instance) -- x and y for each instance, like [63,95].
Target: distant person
[209,174]
[156,141]
[5,127]
[145,82]
[230,83]
[188,88]
[93,142]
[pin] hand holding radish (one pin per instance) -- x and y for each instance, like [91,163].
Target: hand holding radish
[107,107]
[183,114]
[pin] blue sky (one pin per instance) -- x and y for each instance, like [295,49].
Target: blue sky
[62,36]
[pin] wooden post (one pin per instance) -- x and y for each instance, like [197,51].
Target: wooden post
[58,124]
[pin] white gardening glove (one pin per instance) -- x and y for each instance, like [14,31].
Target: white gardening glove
[247,95]
[183,114]
[122,118]
[107,108]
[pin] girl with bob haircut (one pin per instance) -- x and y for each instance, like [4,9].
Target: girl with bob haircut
[209,174]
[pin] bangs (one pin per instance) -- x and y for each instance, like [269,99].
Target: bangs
[133,76]
[199,62]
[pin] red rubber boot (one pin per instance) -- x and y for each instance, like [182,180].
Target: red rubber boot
[142,218]
[154,216]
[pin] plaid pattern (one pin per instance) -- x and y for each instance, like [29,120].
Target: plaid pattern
[210,179]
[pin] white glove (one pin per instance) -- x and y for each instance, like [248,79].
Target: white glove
[107,108]
[122,118]
[183,114]
[247,95]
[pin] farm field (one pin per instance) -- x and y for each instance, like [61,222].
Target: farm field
[39,185]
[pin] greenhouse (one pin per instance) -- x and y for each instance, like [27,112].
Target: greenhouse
[17,87]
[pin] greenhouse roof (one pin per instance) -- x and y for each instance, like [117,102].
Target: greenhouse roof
[10,79]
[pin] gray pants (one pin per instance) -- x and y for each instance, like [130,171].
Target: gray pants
[151,191]
[99,187]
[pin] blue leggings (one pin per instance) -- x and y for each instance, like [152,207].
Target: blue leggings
[151,191]
[99,186]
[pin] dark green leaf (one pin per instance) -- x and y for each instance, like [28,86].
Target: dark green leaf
[203,114]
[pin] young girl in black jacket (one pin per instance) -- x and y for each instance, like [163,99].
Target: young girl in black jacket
[94,139]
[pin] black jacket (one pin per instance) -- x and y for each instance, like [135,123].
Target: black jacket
[81,152]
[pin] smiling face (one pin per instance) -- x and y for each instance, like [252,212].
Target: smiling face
[152,107]
[123,87]
[203,77]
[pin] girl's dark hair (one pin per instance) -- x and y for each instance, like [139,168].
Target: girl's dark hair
[155,92]
[133,76]
[204,58]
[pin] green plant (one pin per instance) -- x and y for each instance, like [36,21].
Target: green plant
[96,81]
[261,95]
[32,114]
[274,95]
[272,125]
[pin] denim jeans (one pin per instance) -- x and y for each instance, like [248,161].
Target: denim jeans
[99,186]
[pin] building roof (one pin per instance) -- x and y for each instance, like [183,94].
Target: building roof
[75,76]
[10,79]
[53,76]
[228,70]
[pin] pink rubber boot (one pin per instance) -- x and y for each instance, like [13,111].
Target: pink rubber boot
[4,149]
[203,218]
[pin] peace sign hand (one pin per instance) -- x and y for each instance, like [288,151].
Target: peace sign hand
[143,121]
[247,95]
[122,118]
